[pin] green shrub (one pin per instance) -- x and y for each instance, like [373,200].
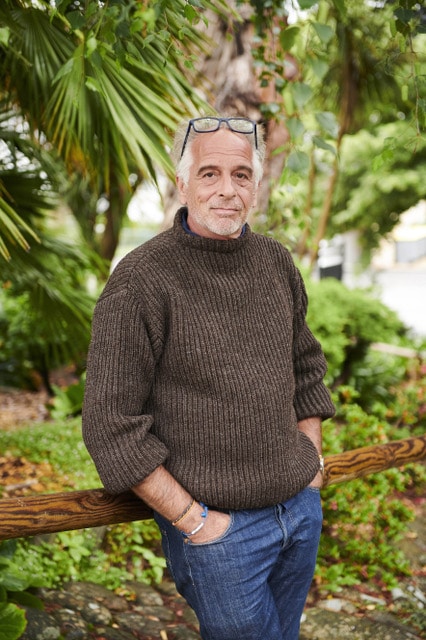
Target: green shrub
[68,402]
[104,555]
[45,323]
[107,555]
[15,581]
[346,322]
[364,518]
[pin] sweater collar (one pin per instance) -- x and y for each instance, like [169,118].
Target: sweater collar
[182,232]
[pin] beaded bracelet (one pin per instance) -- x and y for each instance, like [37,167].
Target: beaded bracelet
[184,513]
[201,525]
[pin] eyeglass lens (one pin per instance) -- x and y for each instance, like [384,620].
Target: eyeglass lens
[210,124]
[240,125]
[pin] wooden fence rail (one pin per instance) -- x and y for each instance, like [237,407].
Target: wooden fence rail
[50,513]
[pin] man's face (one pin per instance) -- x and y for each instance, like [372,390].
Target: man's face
[221,190]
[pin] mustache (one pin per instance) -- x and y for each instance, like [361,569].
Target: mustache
[226,204]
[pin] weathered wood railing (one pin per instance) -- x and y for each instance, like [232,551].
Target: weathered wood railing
[49,513]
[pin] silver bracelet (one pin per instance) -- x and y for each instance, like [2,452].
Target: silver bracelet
[201,525]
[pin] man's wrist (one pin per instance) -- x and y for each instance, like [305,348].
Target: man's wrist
[184,513]
[321,461]
[200,525]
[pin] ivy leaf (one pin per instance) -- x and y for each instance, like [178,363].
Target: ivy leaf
[91,46]
[302,93]
[322,144]
[298,162]
[324,32]
[405,15]
[93,85]
[307,4]
[12,622]
[295,127]
[76,19]
[190,13]
[327,121]
[379,160]
[288,37]
[319,67]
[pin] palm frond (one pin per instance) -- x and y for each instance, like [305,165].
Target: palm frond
[11,227]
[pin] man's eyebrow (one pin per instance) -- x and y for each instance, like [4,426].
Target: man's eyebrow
[217,167]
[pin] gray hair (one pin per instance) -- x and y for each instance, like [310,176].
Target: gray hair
[183,164]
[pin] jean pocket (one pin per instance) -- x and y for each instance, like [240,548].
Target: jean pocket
[218,540]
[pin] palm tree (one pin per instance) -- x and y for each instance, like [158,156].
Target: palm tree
[89,93]
[102,84]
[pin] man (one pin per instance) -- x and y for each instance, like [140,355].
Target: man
[205,395]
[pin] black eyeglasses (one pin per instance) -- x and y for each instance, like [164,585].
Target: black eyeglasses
[211,123]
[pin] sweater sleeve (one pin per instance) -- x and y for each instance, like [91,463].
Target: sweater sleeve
[120,369]
[311,397]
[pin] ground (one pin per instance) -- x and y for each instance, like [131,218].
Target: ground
[20,407]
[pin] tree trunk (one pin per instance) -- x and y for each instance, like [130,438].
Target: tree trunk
[232,87]
[114,216]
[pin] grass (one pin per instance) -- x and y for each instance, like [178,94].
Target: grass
[54,454]
[58,443]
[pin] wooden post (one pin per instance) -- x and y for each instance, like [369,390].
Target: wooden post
[50,513]
[365,460]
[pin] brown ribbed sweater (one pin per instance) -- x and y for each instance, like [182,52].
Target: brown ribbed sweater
[201,360]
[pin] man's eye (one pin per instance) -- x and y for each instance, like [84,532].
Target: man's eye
[241,177]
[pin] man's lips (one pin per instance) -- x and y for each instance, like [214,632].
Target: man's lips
[225,211]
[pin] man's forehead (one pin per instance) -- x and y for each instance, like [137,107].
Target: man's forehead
[222,143]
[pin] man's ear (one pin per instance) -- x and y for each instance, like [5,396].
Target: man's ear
[182,190]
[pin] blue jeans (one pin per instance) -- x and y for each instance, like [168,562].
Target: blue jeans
[251,583]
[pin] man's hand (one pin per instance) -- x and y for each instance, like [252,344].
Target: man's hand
[317,482]
[216,524]
[312,428]
[161,492]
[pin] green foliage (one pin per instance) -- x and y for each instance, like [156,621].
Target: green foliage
[100,85]
[382,171]
[364,518]
[12,619]
[45,311]
[346,322]
[406,406]
[392,388]
[68,402]
[106,556]
[15,580]
[59,443]
[339,68]
[136,545]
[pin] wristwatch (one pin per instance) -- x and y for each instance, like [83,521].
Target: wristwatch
[321,459]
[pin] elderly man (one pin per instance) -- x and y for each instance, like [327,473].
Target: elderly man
[205,394]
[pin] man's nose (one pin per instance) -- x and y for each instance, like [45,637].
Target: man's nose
[226,186]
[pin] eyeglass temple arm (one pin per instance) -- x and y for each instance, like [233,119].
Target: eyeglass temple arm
[186,138]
